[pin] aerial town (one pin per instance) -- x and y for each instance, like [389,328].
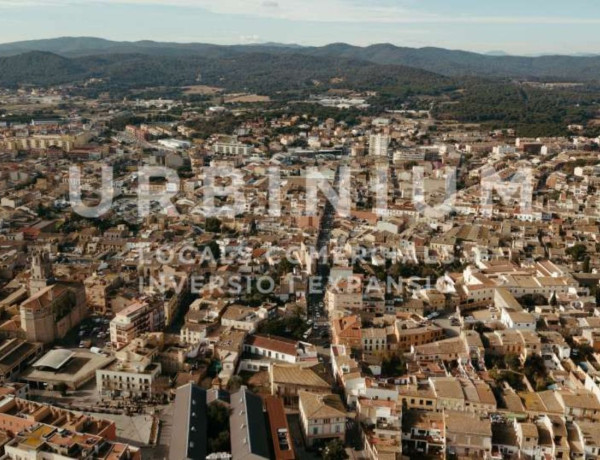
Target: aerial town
[293,285]
[299,230]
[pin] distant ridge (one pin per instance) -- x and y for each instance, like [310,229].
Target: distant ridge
[248,70]
[442,61]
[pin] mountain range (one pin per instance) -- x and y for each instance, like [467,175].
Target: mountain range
[476,88]
[248,71]
[449,63]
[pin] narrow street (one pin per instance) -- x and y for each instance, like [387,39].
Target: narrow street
[316,308]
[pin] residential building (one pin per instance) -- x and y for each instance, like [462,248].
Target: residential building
[139,317]
[322,416]
[134,373]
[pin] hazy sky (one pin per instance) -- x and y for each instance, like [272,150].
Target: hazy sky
[515,26]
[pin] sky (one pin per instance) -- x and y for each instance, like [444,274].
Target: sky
[513,26]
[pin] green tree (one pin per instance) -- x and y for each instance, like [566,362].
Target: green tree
[218,428]
[213,225]
[284,267]
[335,451]
[234,383]
[393,365]
[535,370]
[292,326]
[512,362]
[514,379]
[577,252]
[586,264]
[215,250]
[584,352]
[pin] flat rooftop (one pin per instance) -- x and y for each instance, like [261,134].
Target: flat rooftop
[73,372]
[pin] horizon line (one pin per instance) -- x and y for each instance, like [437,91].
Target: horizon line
[491,53]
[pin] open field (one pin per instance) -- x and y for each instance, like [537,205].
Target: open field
[245,98]
[202,90]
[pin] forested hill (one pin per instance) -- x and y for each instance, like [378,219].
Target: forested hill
[290,73]
[463,63]
[249,71]
[437,60]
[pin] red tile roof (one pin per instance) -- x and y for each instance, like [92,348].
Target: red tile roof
[278,344]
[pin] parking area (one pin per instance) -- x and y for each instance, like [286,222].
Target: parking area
[320,336]
[93,332]
[449,323]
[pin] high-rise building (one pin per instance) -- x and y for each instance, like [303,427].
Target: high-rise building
[378,145]
[139,317]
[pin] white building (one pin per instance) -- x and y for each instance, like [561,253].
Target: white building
[193,333]
[280,349]
[242,318]
[378,145]
[232,148]
[132,374]
[513,319]
[322,417]
[175,144]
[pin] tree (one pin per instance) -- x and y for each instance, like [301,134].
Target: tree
[293,326]
[284,267]
[512,361]
[584,352]
[215,250]
[335,451]
[253,228]
[393,365]
[218,428]
[532,300]
[577,252]
[536,372]
[514,379]
[586,264]
[213,225]
[43,212]
[234,383]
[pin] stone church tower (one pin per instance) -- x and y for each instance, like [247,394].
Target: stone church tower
[41,272]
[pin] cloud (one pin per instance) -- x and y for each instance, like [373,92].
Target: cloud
[327,11]
[29,3]
[250,39]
